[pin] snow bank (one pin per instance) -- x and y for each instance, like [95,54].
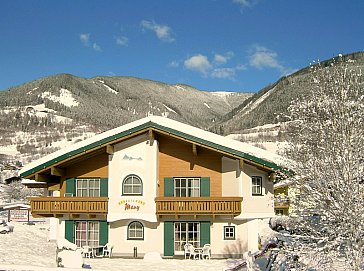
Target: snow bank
[27,248]
[65,97]
[265,232]
[27,245]
[152,257]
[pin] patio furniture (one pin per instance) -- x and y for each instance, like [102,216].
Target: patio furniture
[87,252]
[107,250]
[206,251]
[195,252]
[187,250]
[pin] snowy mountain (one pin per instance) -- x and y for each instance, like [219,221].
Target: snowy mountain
[41,116]
[44,115]
[109,102]
[269,106]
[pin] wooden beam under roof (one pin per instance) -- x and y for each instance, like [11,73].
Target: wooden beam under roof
[241,164]
[272,176]
[56,171]
[151,137]
[109,149]
[194,149]
[42,177]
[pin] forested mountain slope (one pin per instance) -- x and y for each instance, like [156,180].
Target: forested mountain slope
[269,106]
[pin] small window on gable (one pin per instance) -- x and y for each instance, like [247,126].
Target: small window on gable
[229,233]
[257,185]
[132,185]
[135,231]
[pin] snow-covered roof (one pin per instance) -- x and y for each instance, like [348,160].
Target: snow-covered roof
[189,133]
[284,183]
[29,182]
[12,206]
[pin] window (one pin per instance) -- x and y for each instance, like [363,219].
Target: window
[87,187]
[279,212]
[257,185]
[229,233]
[186,232]
[186,187]
[132,185]
[135,231]
[87,233]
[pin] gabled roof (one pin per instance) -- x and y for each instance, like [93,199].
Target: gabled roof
[174,128]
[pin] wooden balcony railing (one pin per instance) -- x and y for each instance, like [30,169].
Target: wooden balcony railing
[281,202]
[198,206]
[48,206]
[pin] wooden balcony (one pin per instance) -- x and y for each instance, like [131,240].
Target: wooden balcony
[195,206]
[54,206]
[281,202]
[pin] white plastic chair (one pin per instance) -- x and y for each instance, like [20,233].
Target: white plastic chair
[192,251]
[206,251]
[107,250]
[87,252]
[187,250]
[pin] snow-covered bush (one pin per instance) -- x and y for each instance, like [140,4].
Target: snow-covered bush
[327,144]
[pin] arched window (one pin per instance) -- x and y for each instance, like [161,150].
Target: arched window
[132,185]
[135,231]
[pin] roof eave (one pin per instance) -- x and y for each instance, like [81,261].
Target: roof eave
[155,126]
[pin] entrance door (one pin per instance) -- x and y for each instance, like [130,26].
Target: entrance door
[186,232]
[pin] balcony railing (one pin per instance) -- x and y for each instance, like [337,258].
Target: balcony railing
[48,206]
[198,206]
[281,202]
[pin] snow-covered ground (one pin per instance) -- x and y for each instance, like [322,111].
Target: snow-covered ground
[27,248]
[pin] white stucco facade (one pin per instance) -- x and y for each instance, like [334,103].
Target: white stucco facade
[139,156]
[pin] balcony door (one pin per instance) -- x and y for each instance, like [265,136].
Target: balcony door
[186,232]
[178,233]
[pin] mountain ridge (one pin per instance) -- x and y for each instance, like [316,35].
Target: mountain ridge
[281,94]
[46,114]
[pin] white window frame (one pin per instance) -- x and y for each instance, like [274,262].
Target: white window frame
[186,232]
[88,187]
[187,186]
[88,235]
[135,231]
[229,232]
[136,185]
[257,189]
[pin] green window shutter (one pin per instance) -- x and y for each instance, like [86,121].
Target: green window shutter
[204,233]
[205,186]
[71,186]
[104,182]
[168,187]
[103,233]
[168,238]
[69,230]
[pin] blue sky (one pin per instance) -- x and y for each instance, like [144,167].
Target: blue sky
[230,45]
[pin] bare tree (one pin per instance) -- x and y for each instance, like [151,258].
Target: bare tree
[326,141]
[17,192]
